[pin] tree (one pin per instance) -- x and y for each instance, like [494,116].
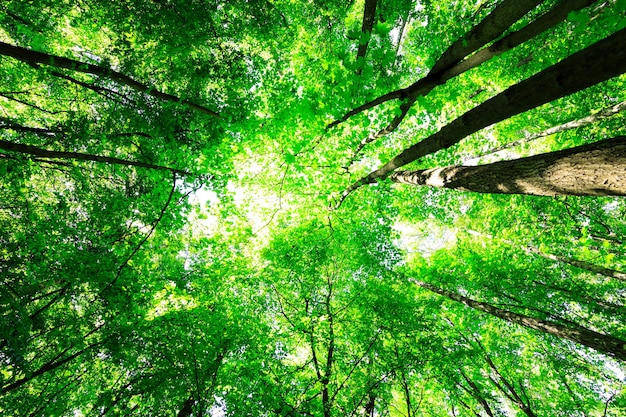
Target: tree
[593,169]
[601,342]
[166,246]
[561,79]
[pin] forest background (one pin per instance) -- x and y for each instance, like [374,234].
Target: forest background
[202,209]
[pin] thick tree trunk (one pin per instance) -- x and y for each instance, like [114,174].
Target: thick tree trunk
[428,83]
[601,342]
[597,169]
[39,58]
[599,62]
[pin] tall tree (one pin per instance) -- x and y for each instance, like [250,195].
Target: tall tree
[592,169]
[601,342]
[557,81]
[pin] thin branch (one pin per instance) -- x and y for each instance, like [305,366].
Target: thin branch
[154,225]
[44,153]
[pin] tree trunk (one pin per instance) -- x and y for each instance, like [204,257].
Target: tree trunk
[425,85]
[187,408]
[432,80]
[540,25]
[587,266]
[366,30]
[39,58]
[475,392]
[601,342]
[599,62]
[584,121]
[504,16]
[492,26]
[595,169]
[43,153]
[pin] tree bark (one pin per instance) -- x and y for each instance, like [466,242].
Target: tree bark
[540,25]
[366,29]
[584,121]
[40,58]
[500,19]
[43,153]
[599,62]
[587,266]
[187,408]
[595,169]
[607,344]
[480,35]
[476,393]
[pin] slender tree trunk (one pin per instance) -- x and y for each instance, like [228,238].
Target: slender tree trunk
[328,366]
[43,153]
[540,25]
[584,121]
[500,19]
[187,408]
[366,30]
[595,169]
[39,58]
[599,62]
[425,85]
[508,389]
[587,266]
[600,342]
[370,406]
[477,394]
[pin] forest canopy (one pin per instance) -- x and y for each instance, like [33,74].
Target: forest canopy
[308,208]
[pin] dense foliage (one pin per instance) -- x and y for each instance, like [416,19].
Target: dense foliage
[200,212]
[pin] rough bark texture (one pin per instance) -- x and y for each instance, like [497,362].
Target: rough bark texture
[599,62]
[597,169]
[597,341]
[541,24]
[428,83]
[36,58]
[480,35]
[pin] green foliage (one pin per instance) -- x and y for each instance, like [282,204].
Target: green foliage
[224,282]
